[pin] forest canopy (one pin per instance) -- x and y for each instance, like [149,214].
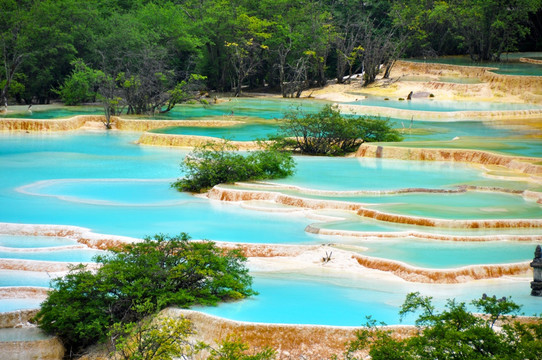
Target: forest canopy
[146,49]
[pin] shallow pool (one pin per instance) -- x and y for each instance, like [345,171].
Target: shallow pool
[327,300]
[242,132]
[75,255]
[510,64]
[25,242]
[418,104]
[267,108]
[105,182]
[447,254]
[25,278]
[7,305]
[328,173]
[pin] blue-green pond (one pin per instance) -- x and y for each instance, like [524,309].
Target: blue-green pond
[510,64]
[107,183]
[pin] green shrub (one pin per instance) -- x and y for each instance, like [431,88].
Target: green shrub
[330,133]
[80,86]
[137,280]
[214,164]
[454,333]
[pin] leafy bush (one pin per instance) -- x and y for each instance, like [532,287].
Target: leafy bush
[80,86]
[455,333]
[137,280]
[153,338]
[214,164]
[330,133]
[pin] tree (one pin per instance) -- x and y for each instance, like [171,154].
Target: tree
[455,333]
[213,164]
[110,97]
[153,338]
[490,27]
[330,133]
[483,29]
[138,280]
[80,86]
[14,45]
[348,15]
[246,51]
[380,47]
[56,31]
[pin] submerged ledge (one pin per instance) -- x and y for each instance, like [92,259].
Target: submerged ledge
[310,257]
[96,122]
[237,195]
[450,224]
[315,229]
[263,185]
[292,256]
[447,116]
[190,141]
[443,276]
[526,165]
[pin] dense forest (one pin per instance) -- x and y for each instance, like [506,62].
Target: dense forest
[149,54]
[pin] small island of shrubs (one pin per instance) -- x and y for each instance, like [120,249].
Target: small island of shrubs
[325,133]
[138,280]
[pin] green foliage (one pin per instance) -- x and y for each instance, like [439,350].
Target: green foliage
[484,29]
[233,348]
[137,280]
[16,86]
[329,133]
[214,164]
[80,86]
[455,333]
[286,45]
[153,338]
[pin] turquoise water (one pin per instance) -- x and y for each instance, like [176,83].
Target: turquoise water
[465,205]
[366,225]
[51,175]
[376,174]
[432,104]
[25,278]
[447,254]
[52,112]
[111,192]
[470,205]
[242,132]
[267,108]
[326,300]
[270,108]
[509,65]
[103,181]
[491,138]
[7,305]
[75,255]
[25,242]
[486,137]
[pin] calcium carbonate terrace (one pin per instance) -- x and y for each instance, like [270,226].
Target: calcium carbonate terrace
[104,183]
